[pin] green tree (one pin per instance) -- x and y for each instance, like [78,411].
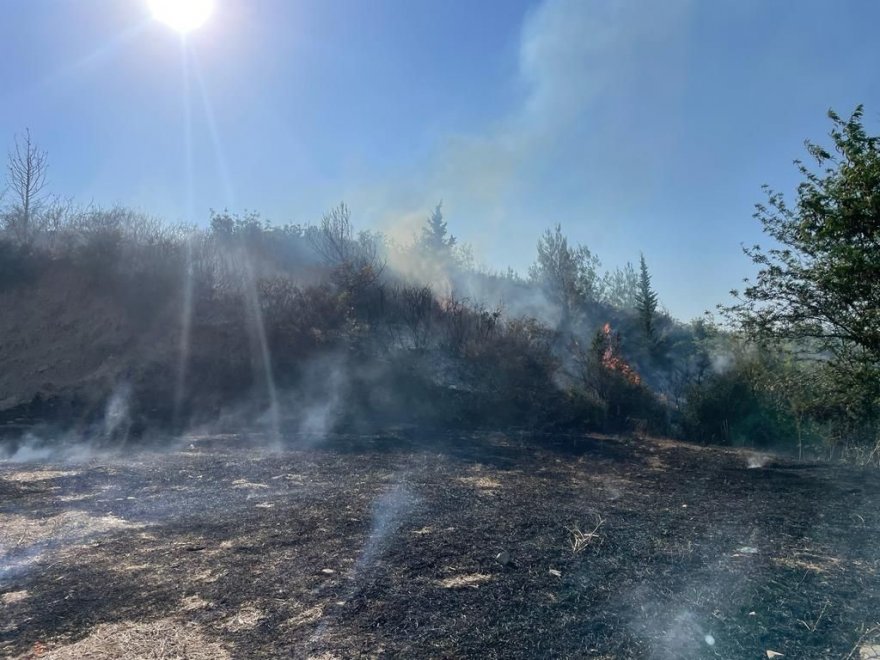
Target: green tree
[436,239]
[620,287]
[817,290]
[567,274]
[646,301]
[822,281]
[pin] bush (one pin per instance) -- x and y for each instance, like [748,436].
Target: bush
[18,264]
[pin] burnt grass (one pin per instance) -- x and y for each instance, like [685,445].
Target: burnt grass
[388,546]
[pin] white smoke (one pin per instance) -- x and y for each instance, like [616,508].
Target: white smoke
[721,362]
[116,414]
[755,461]
[572,56]
[47,444]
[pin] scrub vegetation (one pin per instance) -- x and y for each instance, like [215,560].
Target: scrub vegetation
[375,449]
[323,327]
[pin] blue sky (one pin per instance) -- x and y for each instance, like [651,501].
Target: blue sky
[639,126]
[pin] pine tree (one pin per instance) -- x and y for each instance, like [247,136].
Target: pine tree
[436,239]
[646,301]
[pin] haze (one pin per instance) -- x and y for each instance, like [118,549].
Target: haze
[638,127]
[376,329]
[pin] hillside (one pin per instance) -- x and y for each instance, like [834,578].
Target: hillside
[69,344]
[242,323]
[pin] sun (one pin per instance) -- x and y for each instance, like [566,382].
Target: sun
[182,15]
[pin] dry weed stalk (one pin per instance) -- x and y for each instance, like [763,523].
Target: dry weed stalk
[579,540]
[815,624]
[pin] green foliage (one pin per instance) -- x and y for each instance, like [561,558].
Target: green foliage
[620,288]
[765,395]
[804,373]
[603,376]
[843,405]
[735,404]
[567,275]
[819,288]
[823,281]
[646,301]
[436,240]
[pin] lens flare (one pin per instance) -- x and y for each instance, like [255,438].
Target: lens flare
[182,15]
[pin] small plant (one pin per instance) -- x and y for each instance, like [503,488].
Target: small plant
[580,540]
[811,626]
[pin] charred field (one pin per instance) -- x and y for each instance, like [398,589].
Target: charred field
[490,545]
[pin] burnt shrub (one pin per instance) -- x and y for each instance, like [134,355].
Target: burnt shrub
[514,366]
[18,264]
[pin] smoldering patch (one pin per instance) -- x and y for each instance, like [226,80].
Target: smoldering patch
[756,461]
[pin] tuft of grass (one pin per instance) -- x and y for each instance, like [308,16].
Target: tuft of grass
[579,540]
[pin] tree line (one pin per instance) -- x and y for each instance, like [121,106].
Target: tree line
[793,362]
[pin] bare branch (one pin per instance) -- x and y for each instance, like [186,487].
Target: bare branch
[26,169]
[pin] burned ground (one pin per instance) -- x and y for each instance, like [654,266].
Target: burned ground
[491,546]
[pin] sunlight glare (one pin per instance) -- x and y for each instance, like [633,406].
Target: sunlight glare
[182,15]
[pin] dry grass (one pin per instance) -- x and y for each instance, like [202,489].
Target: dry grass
[70,526]
[244,483]
[29,476]
[473,580]
[869,652]
[657,463]
[165,639]
[481,482]
[307,616]
[246,618]
[580,540]
[76,498]
[13,597]
[258,581]
[808,561]
[192,603]
[208,576]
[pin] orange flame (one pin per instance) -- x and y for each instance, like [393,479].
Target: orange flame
[612,361]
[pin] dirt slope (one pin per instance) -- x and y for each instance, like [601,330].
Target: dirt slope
[64,341]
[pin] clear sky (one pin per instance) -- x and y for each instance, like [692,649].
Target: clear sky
[639,126]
